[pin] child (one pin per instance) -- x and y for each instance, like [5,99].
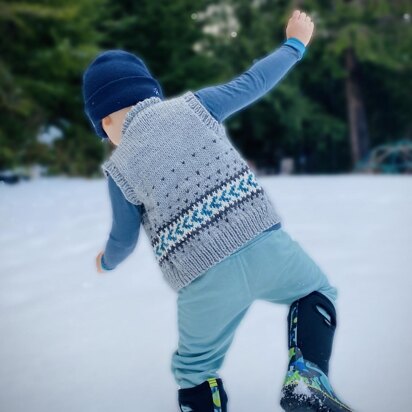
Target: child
[213,229]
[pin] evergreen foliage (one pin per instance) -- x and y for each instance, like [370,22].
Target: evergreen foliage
[350,93]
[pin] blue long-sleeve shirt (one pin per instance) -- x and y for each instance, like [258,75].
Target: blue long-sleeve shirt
[221,101]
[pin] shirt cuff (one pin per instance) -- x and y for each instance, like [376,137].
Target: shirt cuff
[103,264]
[296,44]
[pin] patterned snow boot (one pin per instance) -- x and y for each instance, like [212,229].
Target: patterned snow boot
[209,396]
[311,326]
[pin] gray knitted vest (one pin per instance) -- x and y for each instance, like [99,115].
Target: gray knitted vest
[201,201]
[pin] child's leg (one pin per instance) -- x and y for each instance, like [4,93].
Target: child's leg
[284,273]
[311,327]
[209,312]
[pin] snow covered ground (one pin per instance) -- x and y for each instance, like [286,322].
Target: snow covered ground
[73,340]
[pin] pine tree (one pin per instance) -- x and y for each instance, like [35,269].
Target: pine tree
[359,46]
[46,45]
[357,34]
[163,34]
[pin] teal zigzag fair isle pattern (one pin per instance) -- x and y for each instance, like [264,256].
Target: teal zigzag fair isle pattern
[215,202]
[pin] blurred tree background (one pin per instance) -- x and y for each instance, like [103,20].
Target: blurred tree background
[349,94]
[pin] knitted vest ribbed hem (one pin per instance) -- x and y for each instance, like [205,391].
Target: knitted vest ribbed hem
[243,226]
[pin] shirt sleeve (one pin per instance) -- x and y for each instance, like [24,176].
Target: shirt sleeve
[126,220]
[225,99]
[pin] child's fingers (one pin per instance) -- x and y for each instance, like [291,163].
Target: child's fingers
[98,263]
[295,14]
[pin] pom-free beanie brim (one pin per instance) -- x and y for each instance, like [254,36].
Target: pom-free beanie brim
[128,91]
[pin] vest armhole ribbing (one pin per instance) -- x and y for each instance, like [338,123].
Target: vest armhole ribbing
[109,167]
[196,105]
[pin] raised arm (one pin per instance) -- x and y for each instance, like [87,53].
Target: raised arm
[126,220]
[225,99]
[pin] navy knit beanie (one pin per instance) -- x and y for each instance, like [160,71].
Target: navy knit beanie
[114,80]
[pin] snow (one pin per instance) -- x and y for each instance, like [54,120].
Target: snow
[75,340]
[302,389]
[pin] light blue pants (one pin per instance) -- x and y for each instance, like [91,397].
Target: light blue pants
[271,267]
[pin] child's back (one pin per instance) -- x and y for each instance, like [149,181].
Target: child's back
[201,200]
[212,227]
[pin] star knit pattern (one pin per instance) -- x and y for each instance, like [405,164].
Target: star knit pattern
[201,201]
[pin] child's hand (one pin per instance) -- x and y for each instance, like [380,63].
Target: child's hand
[300,26]
[98,262]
